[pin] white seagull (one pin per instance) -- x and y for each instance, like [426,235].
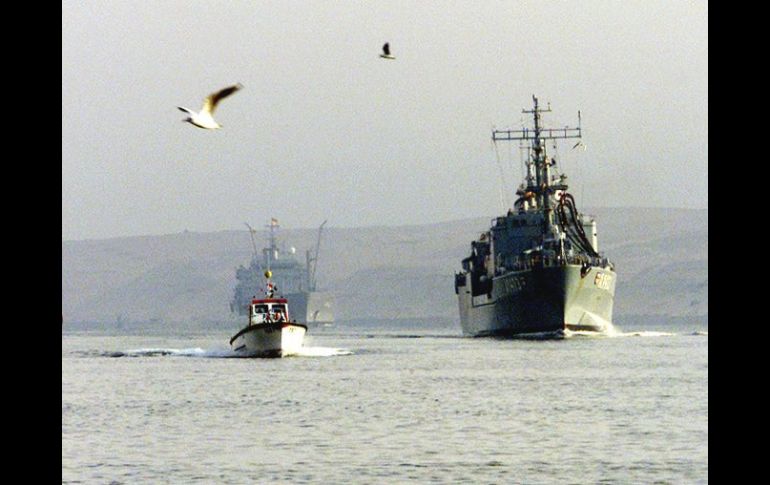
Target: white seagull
[204,118]
[386,52]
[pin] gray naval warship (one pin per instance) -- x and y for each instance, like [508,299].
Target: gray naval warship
[293,280]
[538,268]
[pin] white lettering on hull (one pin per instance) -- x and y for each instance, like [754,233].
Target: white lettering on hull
[603,280]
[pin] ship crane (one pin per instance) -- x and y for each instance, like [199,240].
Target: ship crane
[252,232]
[314,260]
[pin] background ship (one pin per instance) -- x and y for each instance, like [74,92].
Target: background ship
[537,269]
[294,281]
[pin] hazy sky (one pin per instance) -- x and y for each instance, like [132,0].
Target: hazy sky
[325,129]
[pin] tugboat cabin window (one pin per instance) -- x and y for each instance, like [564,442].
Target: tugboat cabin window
[260,309]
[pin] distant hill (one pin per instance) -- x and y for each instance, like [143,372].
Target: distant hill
[661,256]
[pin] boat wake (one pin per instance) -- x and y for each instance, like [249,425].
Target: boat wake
[648,333]
[322,352]
[157,352]
[216,353]
[555,335]
[616,333]
[608,332]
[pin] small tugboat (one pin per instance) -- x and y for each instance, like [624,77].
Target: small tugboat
[269,332]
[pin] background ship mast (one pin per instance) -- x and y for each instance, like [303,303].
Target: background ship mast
[272,251]
[540,183]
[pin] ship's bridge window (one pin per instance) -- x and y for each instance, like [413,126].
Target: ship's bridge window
[260,309]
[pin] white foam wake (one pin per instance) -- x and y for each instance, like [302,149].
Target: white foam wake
[648,333]
[219,353]
[155,352]
[610,331]
[322,352]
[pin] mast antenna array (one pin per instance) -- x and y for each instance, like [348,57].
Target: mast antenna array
[538,132]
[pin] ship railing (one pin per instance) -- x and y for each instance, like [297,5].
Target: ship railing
[552,261]
[589,260]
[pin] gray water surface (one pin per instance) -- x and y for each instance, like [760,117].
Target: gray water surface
[384,407]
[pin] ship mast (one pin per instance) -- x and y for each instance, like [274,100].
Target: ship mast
[540,184]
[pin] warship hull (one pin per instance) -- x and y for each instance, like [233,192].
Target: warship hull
[312,307]
[537,300]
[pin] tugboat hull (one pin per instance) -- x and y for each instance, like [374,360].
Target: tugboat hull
[269,340]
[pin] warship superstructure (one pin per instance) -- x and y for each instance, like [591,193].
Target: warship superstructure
[538,268]
[293,280]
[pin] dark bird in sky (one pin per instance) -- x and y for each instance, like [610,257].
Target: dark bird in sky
[386,51]
[204,118]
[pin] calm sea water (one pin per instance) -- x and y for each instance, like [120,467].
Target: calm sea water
[374,405]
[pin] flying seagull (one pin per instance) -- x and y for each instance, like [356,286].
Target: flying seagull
[205,119]
[386,52]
